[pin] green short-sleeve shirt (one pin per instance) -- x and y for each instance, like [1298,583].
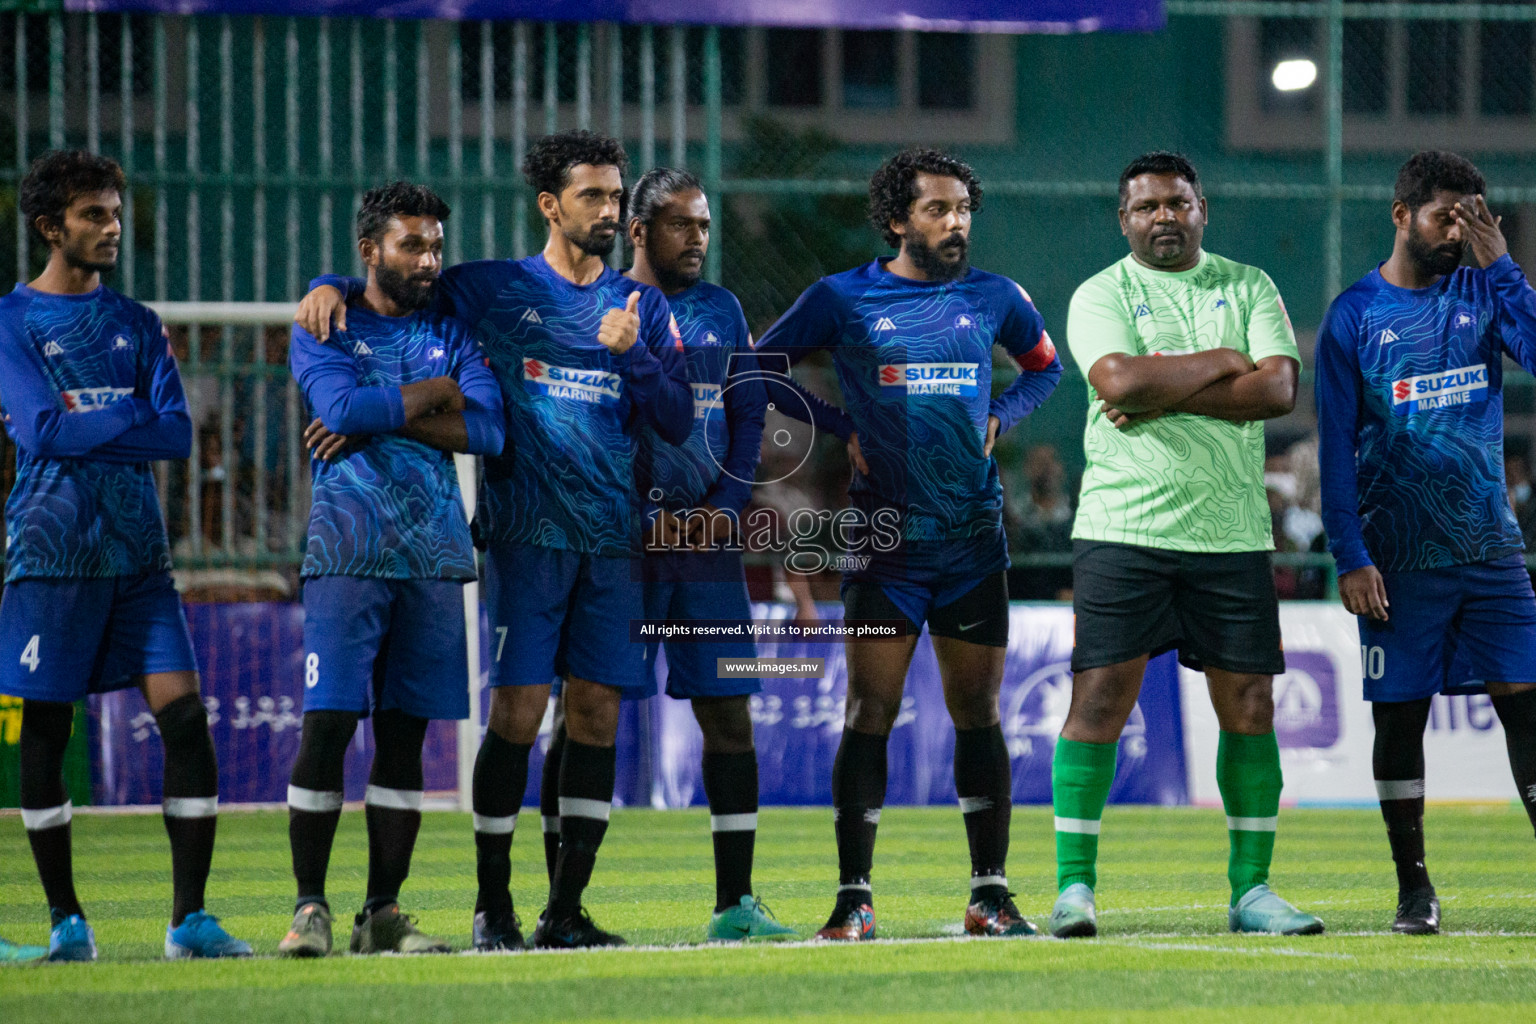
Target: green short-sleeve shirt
[1180,482]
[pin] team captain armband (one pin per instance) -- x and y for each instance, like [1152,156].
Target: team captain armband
[1039,357]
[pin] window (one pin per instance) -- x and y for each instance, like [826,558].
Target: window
[869,70]
[794,67]
[946,71]
[1505,69]
[1434,67]
[1365,67]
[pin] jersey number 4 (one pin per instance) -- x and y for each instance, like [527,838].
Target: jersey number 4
[29,655]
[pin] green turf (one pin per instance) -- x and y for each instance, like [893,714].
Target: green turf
[1165,954]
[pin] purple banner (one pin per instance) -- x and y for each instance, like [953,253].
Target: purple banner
[797,724]
[1050,16]
[251,657]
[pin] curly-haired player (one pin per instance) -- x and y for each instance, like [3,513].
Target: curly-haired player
[911,338]
[91,398]
[584,356]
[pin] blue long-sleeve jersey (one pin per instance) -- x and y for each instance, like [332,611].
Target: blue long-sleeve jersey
[91,396]
[391,508]
[914,361]
[717,463]
[1410,411]
[566,478]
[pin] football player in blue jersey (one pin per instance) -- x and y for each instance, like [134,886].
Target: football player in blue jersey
[387,557]
[585,357]
[911,339]
[1411,432]
[91,397]
[695,493]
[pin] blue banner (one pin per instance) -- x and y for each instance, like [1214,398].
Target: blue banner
[1053,16]
[251,656]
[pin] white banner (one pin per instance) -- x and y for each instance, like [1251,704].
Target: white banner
[1324,724]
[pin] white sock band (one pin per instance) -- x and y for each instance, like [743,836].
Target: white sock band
[314,800]
[733,822]
[1252,824]
[1399,789]
[393,799]
[578,807]
[495,826]
[551,823]
[190,806]
[1082,826]
[981,880]
[37,819]
[969,804]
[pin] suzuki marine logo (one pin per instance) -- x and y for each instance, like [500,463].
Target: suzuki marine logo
[1035,711]
[706,399]
[957,379]
[92,399]
[599,387]
[1463,385]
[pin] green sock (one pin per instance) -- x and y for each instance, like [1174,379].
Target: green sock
[1248,775]
[1081,774]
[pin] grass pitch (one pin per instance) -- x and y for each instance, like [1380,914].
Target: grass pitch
[1164,953]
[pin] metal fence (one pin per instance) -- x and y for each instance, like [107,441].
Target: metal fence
[248,141]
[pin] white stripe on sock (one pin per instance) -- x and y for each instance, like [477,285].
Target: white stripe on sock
[865,887]
[969,804]
[733,822]
[872,816]
[39,818]
[496,826]
[190,806]
[551,824]
[316,800]
[1082,826]
[1252,824]
[981,880]
[579,807]
[1399,789]
[393,799]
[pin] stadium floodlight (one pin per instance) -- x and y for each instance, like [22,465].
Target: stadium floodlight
[1294,75]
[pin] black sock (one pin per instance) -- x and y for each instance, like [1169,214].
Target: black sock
[730,783]
[549,801]
[315,795]
[45,807]
[984,782]
[1397,761]
[393,804]
[858,794]
[501,775]
[586,797]
[190,799]
[1517,713]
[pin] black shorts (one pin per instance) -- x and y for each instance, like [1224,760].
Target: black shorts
[979,615]
[1218,610]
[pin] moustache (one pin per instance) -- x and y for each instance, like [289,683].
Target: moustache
[696,254]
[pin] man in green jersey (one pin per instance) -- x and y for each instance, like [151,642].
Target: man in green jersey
[1185,353]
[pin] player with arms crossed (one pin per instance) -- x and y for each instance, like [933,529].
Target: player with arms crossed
[584,356]
[388,554]
[911,339]
[92,397]
[1410,413]
[697,491]
[1185,353]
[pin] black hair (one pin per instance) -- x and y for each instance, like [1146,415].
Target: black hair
[547,167]
[58,177]
[893,188]
[397,199]
[1434,170]
[655,189]
[1159,161]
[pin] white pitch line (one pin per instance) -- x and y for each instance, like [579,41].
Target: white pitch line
[1243,950]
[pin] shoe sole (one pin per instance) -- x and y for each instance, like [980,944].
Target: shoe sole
[303,953]
[175,952]
[1076,930]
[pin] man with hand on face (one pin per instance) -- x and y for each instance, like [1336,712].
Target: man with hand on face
[388,555]
[584,356]
[911,338]
[91,397]
[695,492]
[1410,416]
[1185,354]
